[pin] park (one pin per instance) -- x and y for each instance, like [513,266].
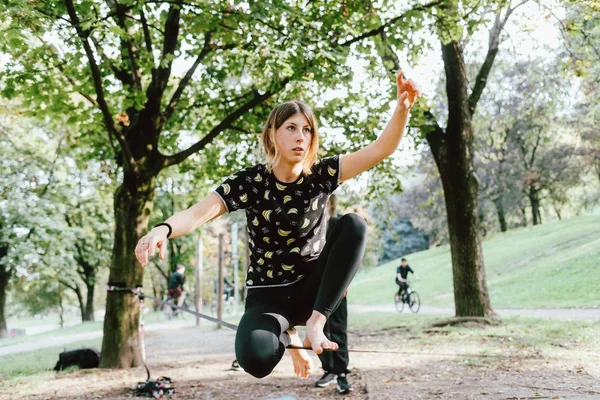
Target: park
[420,183]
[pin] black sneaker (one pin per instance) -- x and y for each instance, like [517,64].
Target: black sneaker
[327,379]
[343,386]
[235,366]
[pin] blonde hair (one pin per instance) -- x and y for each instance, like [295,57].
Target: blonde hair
[276,118]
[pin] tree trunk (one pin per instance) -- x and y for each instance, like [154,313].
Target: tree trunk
[77,291]
[500,213]
[523,217]
[121,341]
[482,225]
[557,210]
[61,309]
[460,192]
[535,205]
[88,314]
[453,154]
[4,276]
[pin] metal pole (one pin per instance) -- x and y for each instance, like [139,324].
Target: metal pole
[220,282]
[234,255]
[199,259]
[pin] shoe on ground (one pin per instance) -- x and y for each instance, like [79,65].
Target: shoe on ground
[327,379]
[235,366]
[343,386]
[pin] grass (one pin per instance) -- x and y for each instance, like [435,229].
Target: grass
[38,364]
[516,336]
[70,330]
[551,265]
[97,326]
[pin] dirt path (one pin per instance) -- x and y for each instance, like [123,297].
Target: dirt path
[552,313]
[199,360]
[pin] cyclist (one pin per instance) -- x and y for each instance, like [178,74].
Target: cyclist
[175,286]
[401,279]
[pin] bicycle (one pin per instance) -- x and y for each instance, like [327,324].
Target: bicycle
[169,312]
[228,305]
[409,297]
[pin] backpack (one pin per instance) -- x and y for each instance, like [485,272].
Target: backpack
[83,358]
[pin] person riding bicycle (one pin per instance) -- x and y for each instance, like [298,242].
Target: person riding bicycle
[175,285]
[402,276]
[228,287]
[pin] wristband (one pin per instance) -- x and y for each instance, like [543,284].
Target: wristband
[167,225]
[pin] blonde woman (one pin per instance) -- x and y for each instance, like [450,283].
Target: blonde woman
[294,277]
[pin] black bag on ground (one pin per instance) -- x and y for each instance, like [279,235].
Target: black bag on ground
[83,358]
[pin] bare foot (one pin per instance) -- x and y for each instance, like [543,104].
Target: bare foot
[315,338]
[302,362]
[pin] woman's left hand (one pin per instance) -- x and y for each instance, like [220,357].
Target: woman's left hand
[408,92]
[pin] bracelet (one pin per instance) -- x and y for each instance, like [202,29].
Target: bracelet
[167,225]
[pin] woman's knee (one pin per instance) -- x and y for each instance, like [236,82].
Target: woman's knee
[353,223]
[258,352]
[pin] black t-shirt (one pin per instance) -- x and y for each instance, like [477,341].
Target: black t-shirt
[176,280]
[286,221]
[404,271]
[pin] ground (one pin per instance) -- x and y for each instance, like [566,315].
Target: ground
[520,359]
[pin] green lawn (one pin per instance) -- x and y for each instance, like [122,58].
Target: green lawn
[149,319]
[70,330]
[550,265]
[38,364]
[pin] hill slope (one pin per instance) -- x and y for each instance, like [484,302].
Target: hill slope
[551,265]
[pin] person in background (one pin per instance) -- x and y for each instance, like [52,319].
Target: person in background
[175,285]
[335,363]
[402,276]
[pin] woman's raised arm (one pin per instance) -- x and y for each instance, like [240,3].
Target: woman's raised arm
[361,160]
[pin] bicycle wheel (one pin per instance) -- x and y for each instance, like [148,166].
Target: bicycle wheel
[168,311]
[415,302]
[398,302]
[184,314]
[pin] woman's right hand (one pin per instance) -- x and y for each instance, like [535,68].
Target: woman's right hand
[148,244]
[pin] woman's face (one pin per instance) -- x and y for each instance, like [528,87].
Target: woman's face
[293,139]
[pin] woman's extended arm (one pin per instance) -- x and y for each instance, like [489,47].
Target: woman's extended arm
[182,223]
[361,160]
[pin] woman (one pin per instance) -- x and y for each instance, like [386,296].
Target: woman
[294,277]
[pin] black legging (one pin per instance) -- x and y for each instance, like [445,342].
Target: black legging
[261,337]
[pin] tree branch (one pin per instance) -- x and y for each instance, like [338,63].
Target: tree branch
[97,78]
[224,124]
[121,75]
[160,75]
[164,274]
[206,48]
[147,36]
[535,147]
[486,67]
[68,78]
[128,50]
[391,22]
[456,84]
[435,136]
[72,287]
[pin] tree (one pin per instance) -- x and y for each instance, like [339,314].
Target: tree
[581,33]
[92,225]
[452,146]
[29,214]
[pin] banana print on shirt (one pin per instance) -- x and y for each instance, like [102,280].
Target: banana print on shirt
[284,219]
